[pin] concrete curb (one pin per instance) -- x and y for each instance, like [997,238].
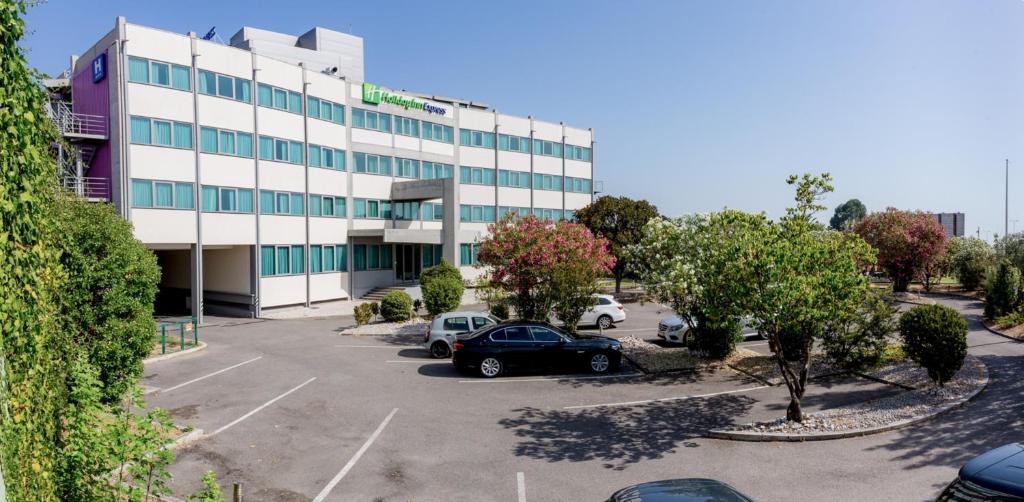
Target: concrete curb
[172,355]
[824,436]
[997,332]
[186,439]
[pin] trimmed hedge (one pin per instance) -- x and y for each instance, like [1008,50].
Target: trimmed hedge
[935,336]
[442,288]
[396,306]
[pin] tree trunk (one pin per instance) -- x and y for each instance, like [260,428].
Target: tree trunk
[618,283]
[900,284]
[793,412]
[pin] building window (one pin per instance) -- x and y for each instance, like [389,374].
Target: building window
[371,164]
[513,143]
[225,142]
[281,99]
[515,179]
[371,209]
[476,176]
[431,254]
[227,200]
[437,132]
[547,182]
[280,150]
[407,210]
[281,203]
[327,205]
[144,71]
[577,185]
[371,257]
[374,121]
[547,214]
[476,214]
[325,110]
[326,157]
[433,211]
[468,137]
[515,211]
[407,126]
[468,254]
[225,86]
[162,194]
[328,258]
[547,148]
[282,260]
[436,170]
[573,152]
[407,168]
[148,131]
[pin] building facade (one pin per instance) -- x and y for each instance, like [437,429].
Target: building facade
[266,173]
[952,223]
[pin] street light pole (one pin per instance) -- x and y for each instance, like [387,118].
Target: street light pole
[1006,203]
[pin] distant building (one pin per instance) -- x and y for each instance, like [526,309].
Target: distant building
[953,223]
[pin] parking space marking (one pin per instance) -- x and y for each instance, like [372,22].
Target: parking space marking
[413,361]
[377,346]
[204,377]
[676,398]
[355,458]
[618,330]
[553,379]
[257,410]
[521,486]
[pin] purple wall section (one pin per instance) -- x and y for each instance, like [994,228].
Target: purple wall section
[94,99]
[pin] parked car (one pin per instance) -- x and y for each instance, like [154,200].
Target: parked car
[675,330]
[604,314]
[445,327]
[521,344]
[680,490]
[994,475]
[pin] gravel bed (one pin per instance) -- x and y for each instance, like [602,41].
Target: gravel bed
[881,412]
[764,368]
[413,327]
[906,373]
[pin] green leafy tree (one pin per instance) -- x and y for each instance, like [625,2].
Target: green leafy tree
[108,297]
[573,284]
[848,214]
[794,277]
[969,258]
[1002,289]
[620,220]
[1011,247]
[442,288]
[857,340]
[907,243]
[935,336]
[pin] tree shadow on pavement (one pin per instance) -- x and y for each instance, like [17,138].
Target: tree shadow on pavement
[620,436]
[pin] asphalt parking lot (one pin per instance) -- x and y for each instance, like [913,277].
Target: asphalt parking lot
[295,411]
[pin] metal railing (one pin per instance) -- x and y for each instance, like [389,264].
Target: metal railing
[88,187]
[183,334]
[76,124]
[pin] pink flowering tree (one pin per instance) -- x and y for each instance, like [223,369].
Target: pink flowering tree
[908,243]
[545,267]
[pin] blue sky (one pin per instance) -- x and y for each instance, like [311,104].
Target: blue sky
[695,105]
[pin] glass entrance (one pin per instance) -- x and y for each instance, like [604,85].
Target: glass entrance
[407,262]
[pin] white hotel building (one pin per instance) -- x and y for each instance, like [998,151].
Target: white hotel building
[266,173]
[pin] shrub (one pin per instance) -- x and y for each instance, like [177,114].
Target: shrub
[1010,320]
[907,243]
[1002,289]
[210,492]
[417,304]
[717,339]
[363,312]
[859,340]
[893,353]
[935,336]
[968,259]
[396,306]
[374,309]
[442,288]
[500,310]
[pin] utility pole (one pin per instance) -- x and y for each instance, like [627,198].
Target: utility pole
[1006,204]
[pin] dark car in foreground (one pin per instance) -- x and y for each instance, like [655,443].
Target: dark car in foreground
[994,475]
[494,349]
[680,490]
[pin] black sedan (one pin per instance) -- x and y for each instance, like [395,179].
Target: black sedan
[533,345]
[994,475]
[680,490]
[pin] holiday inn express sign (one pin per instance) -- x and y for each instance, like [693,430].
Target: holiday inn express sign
[375,94]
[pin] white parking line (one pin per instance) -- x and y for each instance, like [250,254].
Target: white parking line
[676,398]
[378,346]
[521,486]
[554,379]
[257,410]
[215,373]
[355,458]
[413,361]
[618,330]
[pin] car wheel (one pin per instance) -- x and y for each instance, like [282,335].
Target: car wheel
[490,367]
[604,322]
[440,350]
[600,363]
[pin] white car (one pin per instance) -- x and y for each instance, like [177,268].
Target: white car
[676,330]
[605,313]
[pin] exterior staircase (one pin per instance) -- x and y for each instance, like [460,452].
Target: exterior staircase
[377,294]
[82,133]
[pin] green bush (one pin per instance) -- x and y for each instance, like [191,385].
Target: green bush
[1002,289]
[969,257]
[716,339]
[500,310]
[363,312]
[108,298]
[396,306]
[442,288]
[374,309]
[859,341]
[1010,320]
[417,304]
[935,336]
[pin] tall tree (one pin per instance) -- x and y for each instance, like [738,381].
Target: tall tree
[848,214]
[907,242]
[620,220]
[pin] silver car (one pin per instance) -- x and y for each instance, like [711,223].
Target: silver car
[445,327]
